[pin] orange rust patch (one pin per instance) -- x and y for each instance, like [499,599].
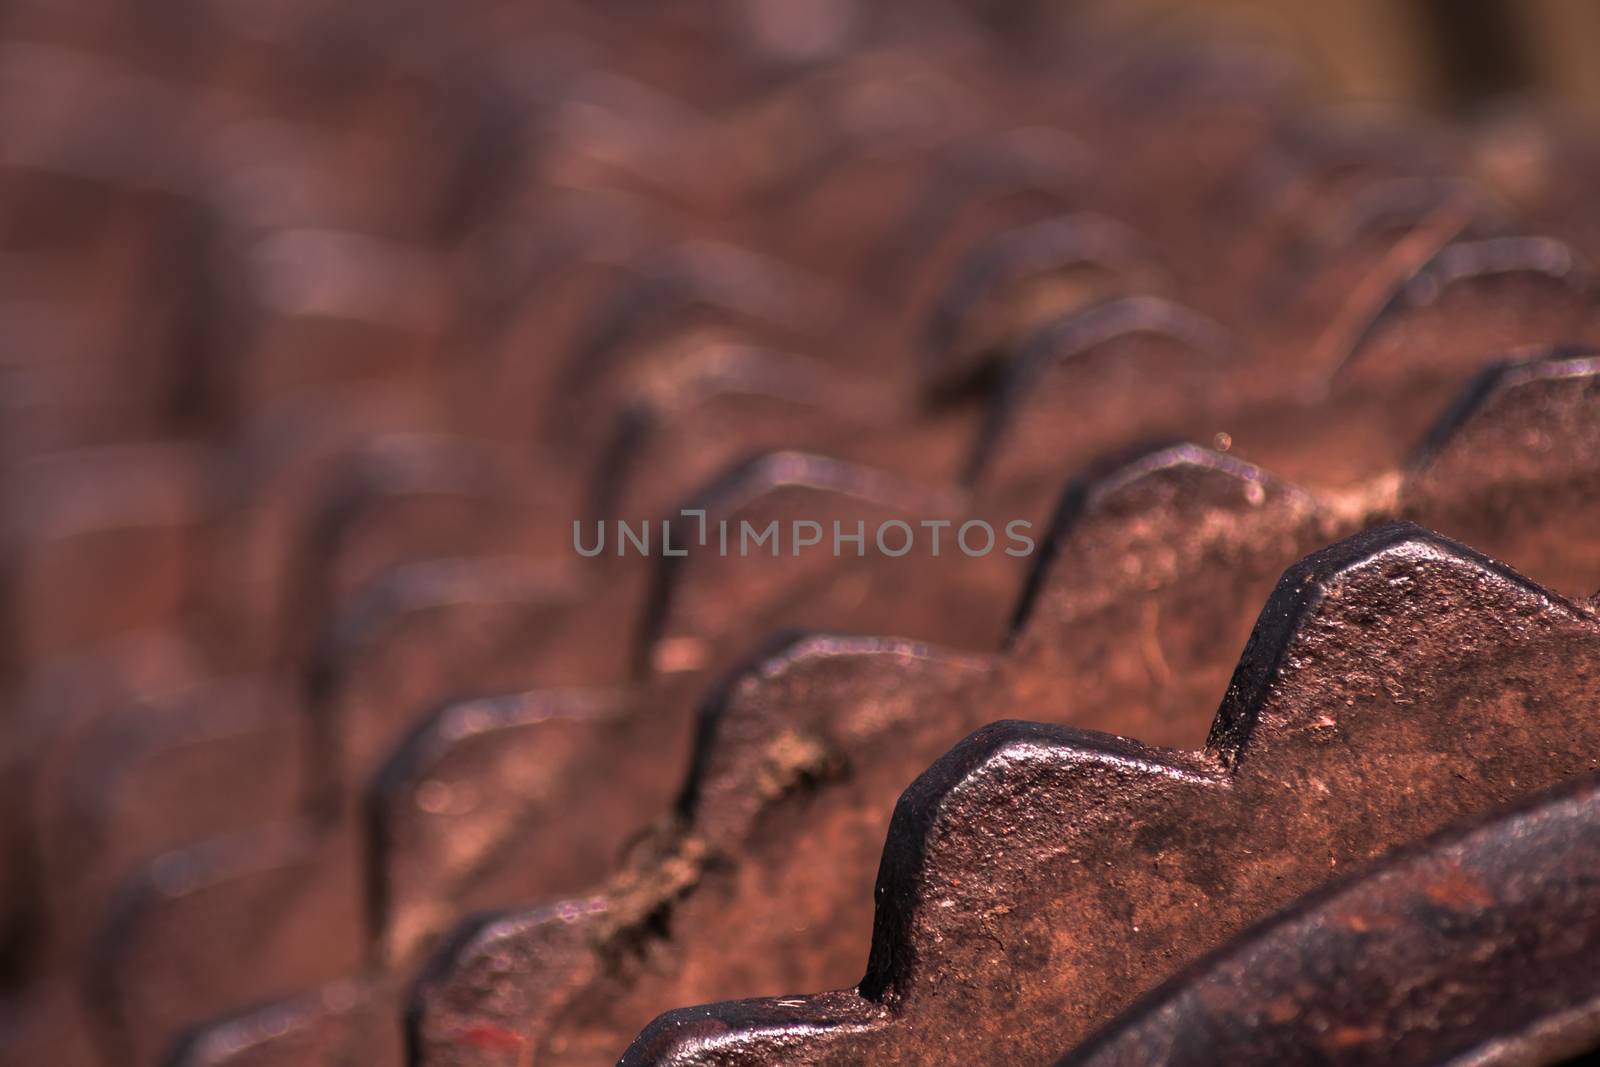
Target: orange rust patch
[1458,892]
[489,1036]
[1349,1036]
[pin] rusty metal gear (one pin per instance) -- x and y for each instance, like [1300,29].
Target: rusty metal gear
[335,334]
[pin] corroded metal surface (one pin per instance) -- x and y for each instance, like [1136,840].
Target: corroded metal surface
[805,749]
[326,742]
[1024,835]
[1472,945]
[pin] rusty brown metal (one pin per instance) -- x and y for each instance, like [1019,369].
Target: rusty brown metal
[424,633]
[129,520]
[1570,372]
[322,324]
[128,778]
[349,1021]
[1025,834]
[1126,501]
[1017,279]
[1147,512]
[1471,944]
[449,814]
[286,895]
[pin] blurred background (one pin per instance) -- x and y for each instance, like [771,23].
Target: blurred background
[1452,54]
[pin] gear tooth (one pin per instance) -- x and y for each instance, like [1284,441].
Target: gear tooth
[128,786]
[135,515]
[721,283]
[1393,588]
[1480,428]
[396,467]
[954,340]
[1138,521]
[419,634]
[691,592]
[1201,477]
[461,1010]
[398,498]
[1084,360]
[795,709]
[673,427]
[757,1031]
[1023,173]
[302,456]
[991,787]
[286,889]
[455,813]
[1556,307]
[1510,467]
[332,1024]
